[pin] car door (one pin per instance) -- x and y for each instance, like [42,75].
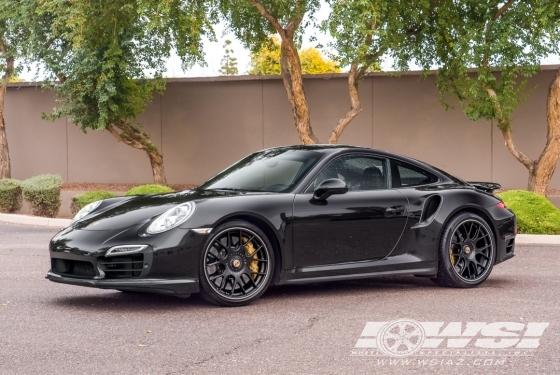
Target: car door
[363,224]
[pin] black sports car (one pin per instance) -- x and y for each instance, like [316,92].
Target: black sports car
[290,215]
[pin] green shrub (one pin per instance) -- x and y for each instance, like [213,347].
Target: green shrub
[43,194]
[149,189]
[535,214]
[82,200]
[11,197]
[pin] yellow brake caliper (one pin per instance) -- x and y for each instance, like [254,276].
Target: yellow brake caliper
[250,249]
[453,258]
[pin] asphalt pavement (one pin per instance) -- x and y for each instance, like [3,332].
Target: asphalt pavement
[48,328]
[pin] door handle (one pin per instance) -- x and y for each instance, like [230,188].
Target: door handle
[395,210]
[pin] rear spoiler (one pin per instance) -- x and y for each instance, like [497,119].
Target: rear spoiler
[488,187]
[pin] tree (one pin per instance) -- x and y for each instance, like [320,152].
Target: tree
[108,70]
[266,61]
[253,20]
[229,62]
[362,31]
[12,34]
[366,31]
[486,51]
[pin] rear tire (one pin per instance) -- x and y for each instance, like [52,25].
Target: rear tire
[237,264]
[467,252]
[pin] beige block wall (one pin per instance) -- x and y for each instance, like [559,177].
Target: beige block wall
[204,125]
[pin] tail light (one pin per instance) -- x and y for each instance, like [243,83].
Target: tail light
[501,205]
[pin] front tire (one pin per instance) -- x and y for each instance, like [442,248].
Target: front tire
[466,253]
[237,264]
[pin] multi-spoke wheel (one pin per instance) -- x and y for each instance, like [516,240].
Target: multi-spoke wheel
[467,251]
[237,264]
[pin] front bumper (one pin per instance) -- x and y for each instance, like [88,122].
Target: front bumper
[168,264]
[161,286]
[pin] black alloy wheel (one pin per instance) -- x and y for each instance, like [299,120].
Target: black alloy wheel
[467,252]
[237,264]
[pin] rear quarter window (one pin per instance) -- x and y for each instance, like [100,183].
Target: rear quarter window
[408,175]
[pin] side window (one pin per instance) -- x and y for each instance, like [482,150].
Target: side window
[408,175]
[358,171]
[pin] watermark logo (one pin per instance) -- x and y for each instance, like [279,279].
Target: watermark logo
[401,337]
[407,337]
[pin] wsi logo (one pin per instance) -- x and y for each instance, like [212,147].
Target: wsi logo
[408,337]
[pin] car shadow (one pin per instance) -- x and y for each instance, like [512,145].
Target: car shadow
[114,301]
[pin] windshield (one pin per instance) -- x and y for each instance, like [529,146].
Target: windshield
[276,170]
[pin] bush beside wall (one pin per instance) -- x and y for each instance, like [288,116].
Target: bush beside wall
[43,194]
[11,197]
[82,200]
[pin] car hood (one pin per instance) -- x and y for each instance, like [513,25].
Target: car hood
[136,210]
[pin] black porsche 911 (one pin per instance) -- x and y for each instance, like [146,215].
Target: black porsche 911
[289,215]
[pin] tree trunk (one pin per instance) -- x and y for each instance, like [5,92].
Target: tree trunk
[156,160]
[133,137]
[546,165]
[5,168]
[541,170]
[355,108]
[293,83]
[291,70]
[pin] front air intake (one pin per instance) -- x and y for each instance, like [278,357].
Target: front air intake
[72,268]
[126,266]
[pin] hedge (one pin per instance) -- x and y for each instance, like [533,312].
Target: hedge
[43,194]
[149,189]
[535,214]
[82,200]
[11,197]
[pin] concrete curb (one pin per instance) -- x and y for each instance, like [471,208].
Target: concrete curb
[34,220]
[535,239]
[538,239]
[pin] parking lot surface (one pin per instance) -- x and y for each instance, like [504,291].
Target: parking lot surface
[48,328]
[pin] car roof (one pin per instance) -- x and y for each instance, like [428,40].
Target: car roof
[330,149]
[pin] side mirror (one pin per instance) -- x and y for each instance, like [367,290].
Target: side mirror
[330,187]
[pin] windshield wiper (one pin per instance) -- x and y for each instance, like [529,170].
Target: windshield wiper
[232,189]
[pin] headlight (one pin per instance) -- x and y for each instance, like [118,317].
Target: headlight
[171,218]
[86,210]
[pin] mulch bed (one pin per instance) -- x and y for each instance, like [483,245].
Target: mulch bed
[91,186]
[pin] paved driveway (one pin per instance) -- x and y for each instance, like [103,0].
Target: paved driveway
[48,328]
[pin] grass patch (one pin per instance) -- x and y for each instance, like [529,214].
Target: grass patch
[535,214]
[149,189]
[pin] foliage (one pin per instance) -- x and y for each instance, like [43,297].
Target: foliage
[110,68]
[470,40]
[43,194]
[229,62]
[11,197]
[82,200]
[12,41]
[253,30]
[266,61]
[149,189]
[535,214]
[365,32]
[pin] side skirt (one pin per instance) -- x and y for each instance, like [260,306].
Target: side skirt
[404,264]
[415,272]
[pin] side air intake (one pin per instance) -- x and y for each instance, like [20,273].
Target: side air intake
[431,206]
